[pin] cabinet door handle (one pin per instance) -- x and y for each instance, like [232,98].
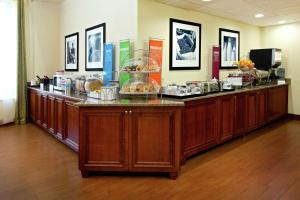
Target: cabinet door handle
[130,112]
[126,112]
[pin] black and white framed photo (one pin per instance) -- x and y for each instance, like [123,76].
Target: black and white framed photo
[185,45]
[71,52]
[229,48]
[94,47]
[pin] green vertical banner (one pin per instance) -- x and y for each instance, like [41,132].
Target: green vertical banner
[125,55]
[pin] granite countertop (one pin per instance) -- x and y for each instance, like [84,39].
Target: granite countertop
[83,101]
[247,89]
[130,102]
[73,96]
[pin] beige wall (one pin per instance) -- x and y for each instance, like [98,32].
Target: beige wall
[49,22]
[42,38]
[287,38]
[77,15]
[153,21]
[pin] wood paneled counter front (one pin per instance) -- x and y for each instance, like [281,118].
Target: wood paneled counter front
[138,135]
[152,135]
[214,119]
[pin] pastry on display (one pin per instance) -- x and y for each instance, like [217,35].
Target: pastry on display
[126,88]
[140,68]
[132,88]
[93,85]
[146,88]
[151,87]
[140,87]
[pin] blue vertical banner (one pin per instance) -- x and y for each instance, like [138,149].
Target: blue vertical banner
[108,63]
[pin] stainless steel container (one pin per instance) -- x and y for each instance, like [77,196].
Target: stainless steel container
[109,93]
[210,87]
[79,85]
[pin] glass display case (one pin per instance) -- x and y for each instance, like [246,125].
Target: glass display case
[139,69]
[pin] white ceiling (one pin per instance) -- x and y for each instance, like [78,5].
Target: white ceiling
[244,10]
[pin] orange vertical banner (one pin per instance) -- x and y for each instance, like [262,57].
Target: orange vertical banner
[155,57]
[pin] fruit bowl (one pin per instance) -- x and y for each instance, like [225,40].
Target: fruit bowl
[244,69]
[245,65]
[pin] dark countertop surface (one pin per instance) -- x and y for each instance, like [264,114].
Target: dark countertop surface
[72,96]
[83,101]
[247,89]
[130,102]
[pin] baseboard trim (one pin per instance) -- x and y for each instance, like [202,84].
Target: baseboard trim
[7,124]
[293,116]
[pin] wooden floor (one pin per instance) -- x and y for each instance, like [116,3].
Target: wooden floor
[263,165]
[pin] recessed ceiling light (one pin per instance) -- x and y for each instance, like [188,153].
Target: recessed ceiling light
[259,15]
[281,22]
[206,0]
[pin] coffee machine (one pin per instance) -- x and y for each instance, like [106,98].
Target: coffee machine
[267,60]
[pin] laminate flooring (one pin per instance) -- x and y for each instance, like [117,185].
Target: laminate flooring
[262,165]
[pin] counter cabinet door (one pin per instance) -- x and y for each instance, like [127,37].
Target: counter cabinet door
[251,110]
[45,111]
[227,114]
[277,102]
[32,105]
[194,127]
[40,108]
[262,107]
[51,114]
[71,122]
[155,135]
[103,139]
[59,117]
[240,118]
[212,122]
[200,126]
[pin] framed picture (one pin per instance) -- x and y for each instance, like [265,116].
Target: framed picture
[94,48]
[71,52]
[229,41]
[185,45]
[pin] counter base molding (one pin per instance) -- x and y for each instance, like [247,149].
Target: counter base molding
[293,116]
[130,139]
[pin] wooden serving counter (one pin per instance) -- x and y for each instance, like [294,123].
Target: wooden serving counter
[129,135]
[210,121]
[152,135]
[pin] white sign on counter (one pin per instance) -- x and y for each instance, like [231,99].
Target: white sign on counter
[235,81]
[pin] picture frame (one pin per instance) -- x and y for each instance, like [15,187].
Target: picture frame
[72,52]
[229,41]
[94,47]
[185,45]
